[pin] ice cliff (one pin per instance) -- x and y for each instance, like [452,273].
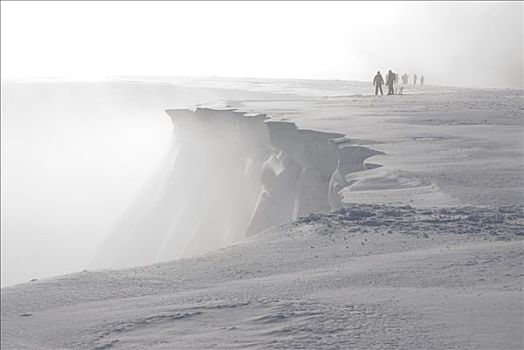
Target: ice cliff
[229,175]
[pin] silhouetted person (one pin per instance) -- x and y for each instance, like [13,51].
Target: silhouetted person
[422,80]
[378,81]
[415,79]
[405,78]
[390,80]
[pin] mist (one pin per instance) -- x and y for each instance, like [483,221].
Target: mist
[474,44]
[74,157]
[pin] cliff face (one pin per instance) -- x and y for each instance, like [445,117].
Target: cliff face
[230,175]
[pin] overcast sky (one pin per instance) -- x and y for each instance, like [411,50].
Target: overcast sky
[461,44]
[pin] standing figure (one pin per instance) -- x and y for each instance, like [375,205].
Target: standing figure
[395,81]
[390,80]
[414,79]
[422,80]
[405,78]
[378,81]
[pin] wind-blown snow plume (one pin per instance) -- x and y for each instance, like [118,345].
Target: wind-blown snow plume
[230,175]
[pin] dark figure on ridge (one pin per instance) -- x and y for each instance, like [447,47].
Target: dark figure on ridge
[415,79]
[390,80]
[378,81]
[422,80]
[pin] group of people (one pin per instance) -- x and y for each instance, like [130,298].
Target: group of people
[392,80]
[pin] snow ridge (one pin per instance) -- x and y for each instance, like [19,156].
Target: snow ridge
[230,175]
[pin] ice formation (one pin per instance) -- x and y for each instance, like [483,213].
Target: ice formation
[230,175]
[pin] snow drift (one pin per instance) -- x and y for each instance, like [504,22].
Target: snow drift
[229,175]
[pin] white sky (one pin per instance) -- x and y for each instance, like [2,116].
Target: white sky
[464,44]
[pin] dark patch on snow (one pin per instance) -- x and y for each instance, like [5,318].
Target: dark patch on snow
[494,221]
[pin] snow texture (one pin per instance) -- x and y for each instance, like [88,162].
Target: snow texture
[364,277]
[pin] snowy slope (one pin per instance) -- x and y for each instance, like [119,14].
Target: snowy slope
[366,277]
[443,146]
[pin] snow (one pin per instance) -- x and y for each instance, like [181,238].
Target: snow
[368,276]
[232,175]
[421,249]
